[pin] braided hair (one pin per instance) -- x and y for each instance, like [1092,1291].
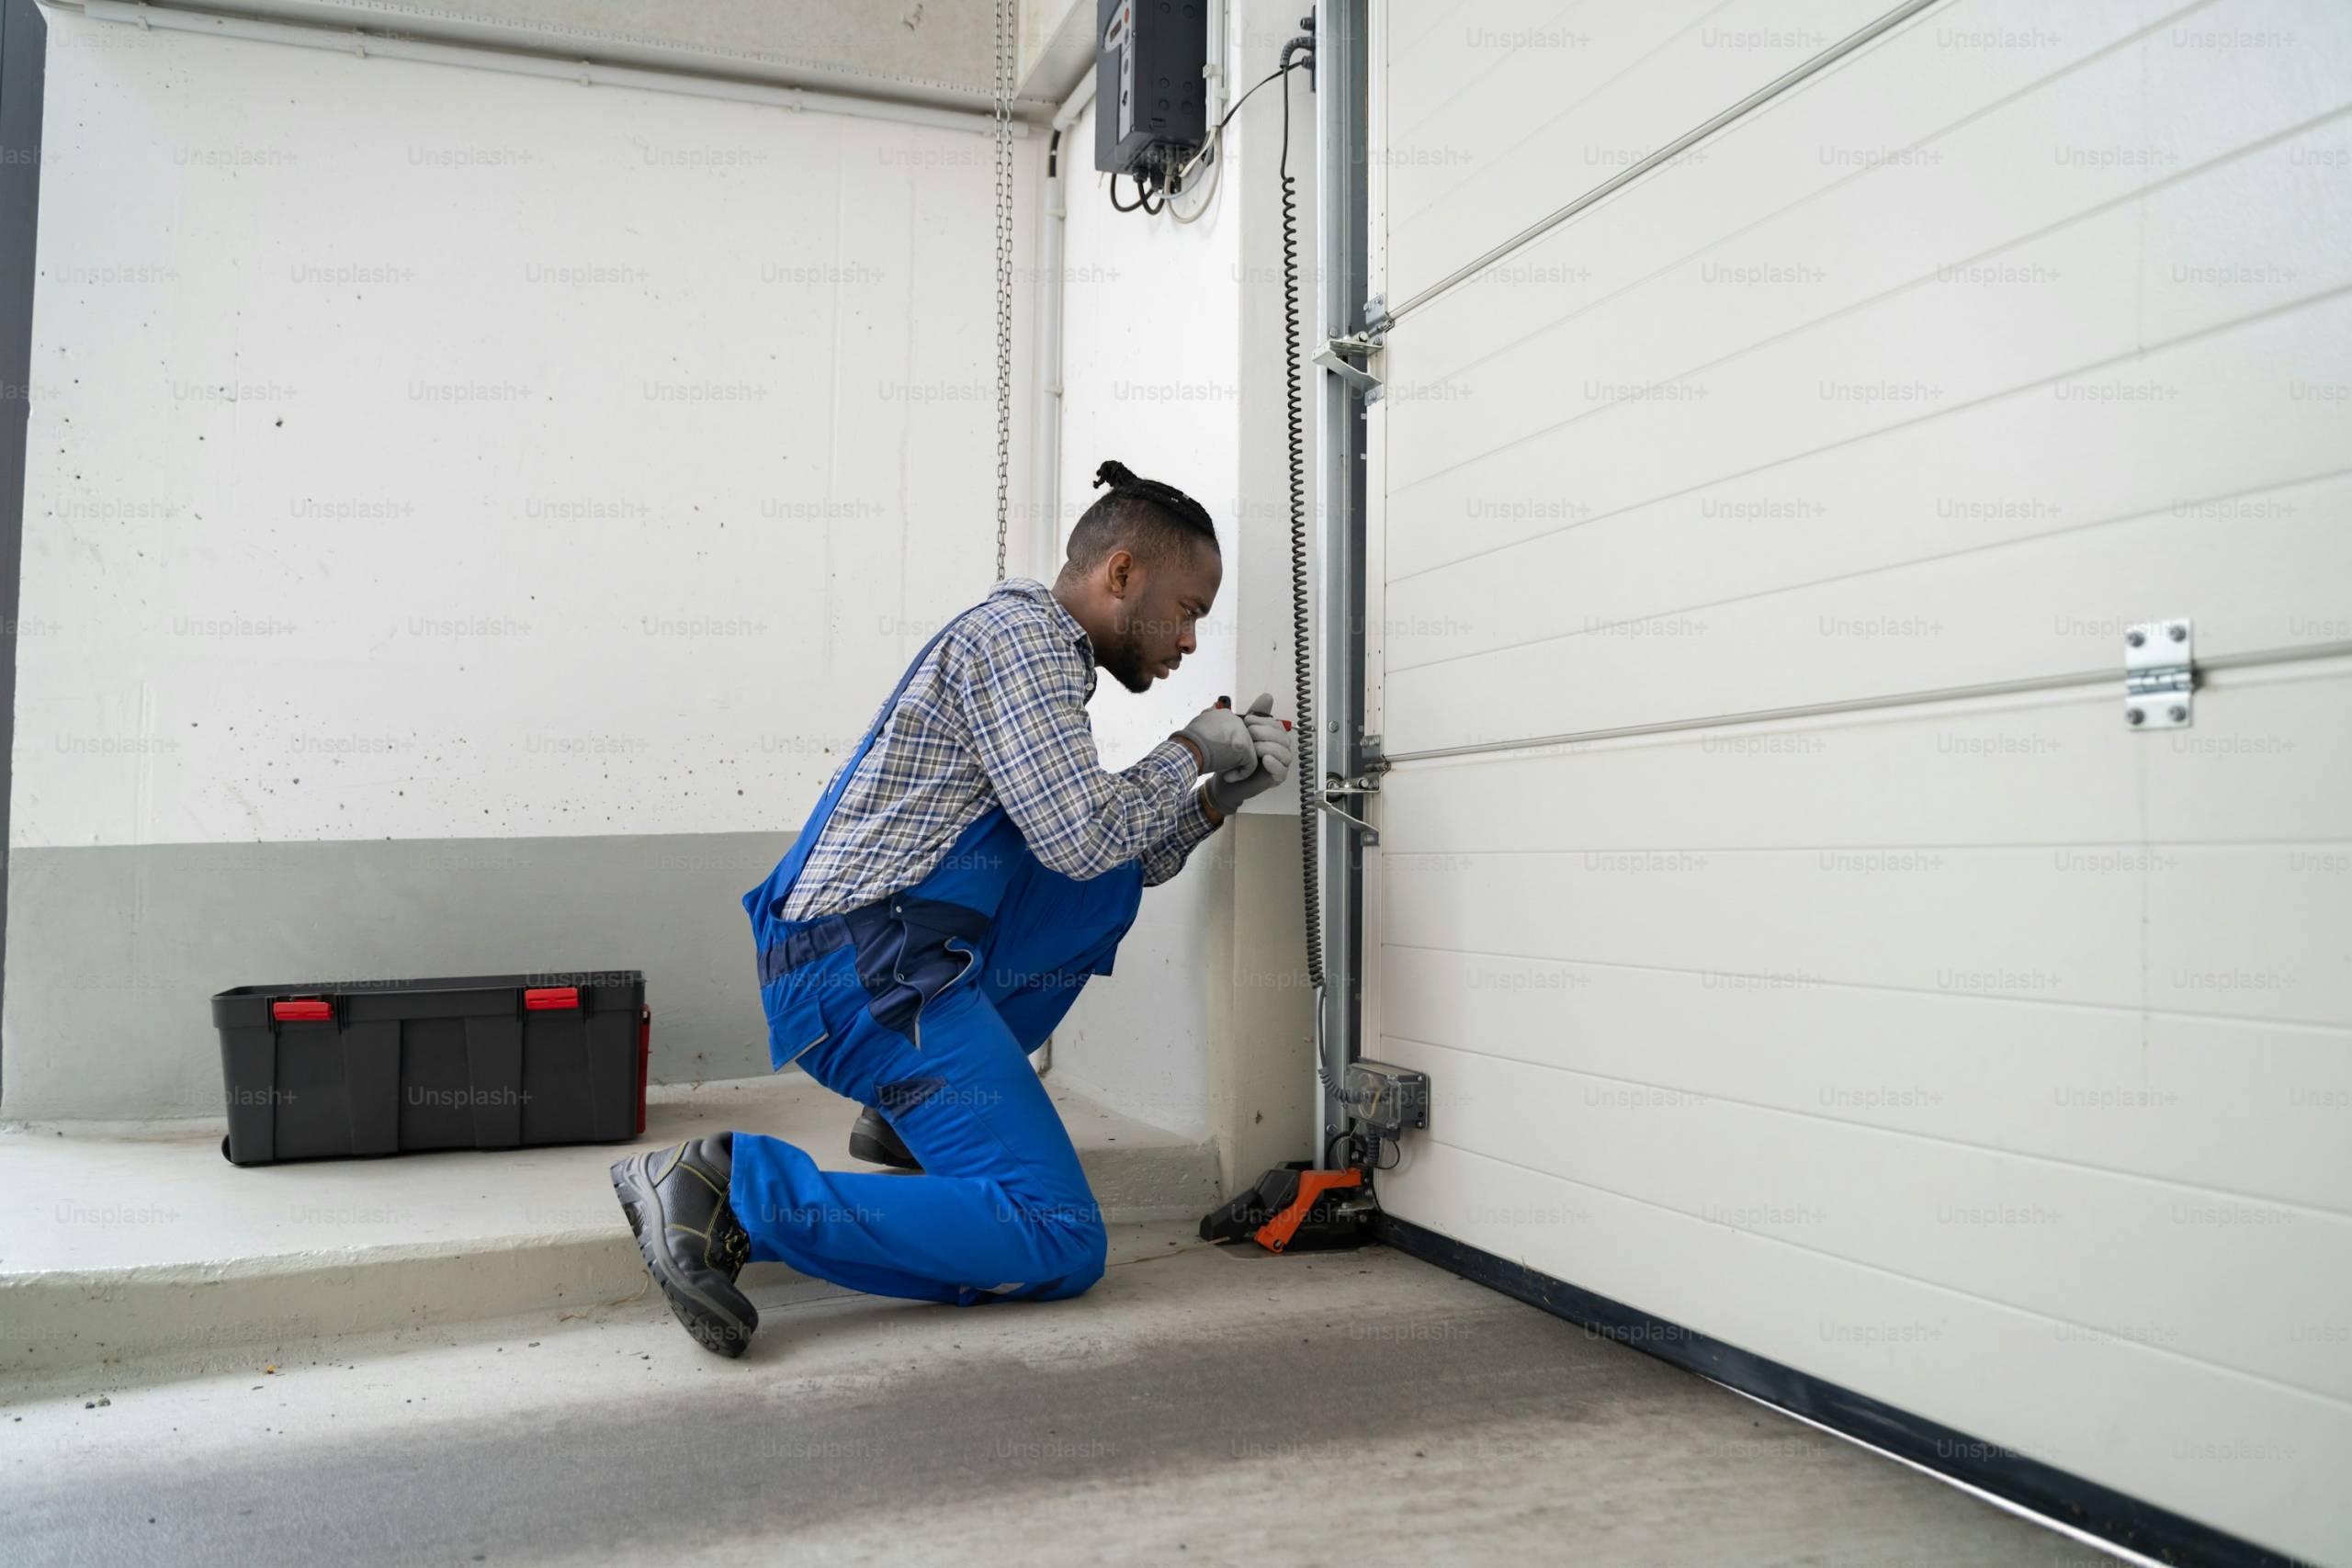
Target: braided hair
[1149,519]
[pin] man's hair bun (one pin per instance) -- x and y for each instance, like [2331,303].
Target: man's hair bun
[1149,517]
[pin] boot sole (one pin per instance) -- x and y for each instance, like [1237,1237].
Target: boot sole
[714,1327]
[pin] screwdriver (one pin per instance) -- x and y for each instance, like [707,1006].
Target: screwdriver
[1226,702]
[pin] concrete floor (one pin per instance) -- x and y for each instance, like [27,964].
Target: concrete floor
[138,1244]
[1200,1405]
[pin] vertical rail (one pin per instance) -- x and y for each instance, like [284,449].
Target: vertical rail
[1341,56]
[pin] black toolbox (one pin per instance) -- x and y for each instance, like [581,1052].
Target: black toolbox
[479,1062]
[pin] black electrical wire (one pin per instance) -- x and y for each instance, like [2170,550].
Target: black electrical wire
[1164,183]
[1147,186]
[1277,70]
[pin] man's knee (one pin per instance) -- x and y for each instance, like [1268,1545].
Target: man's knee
[1085,1272]
[1065,1250]
[1072,1245]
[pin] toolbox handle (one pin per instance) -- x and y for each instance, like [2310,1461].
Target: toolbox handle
[310,1009]
[551,999]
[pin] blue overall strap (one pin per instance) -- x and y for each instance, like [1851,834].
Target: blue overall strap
[778,885]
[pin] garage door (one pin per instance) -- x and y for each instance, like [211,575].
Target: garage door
[1807,948]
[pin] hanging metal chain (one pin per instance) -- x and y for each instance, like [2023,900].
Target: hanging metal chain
[1007,52]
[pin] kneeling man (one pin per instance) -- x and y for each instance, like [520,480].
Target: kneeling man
[968,869]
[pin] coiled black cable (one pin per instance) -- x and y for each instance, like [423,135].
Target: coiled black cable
[1310,817]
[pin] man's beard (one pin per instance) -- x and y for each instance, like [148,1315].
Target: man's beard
[1126,663]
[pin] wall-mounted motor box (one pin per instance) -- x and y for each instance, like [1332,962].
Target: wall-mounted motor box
[1150,100]
[1385,1100]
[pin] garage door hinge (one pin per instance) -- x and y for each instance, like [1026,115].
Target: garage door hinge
[2159,677]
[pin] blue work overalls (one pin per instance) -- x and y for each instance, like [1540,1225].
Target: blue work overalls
[925,1005]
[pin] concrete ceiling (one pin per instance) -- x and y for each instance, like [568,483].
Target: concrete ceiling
[922,51]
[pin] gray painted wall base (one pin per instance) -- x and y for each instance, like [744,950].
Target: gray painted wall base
[114,951]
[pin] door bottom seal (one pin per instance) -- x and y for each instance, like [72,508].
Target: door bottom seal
[2030,1485]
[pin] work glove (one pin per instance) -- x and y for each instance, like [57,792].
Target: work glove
[1270,740]
[1224,739]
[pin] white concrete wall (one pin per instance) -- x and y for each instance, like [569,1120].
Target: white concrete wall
[428,452]
[420,451]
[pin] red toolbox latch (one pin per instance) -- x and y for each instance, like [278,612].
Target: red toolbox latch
[308,1011]
[551,999]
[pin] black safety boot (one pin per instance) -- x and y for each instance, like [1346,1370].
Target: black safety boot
[876,1141]
[676,1203]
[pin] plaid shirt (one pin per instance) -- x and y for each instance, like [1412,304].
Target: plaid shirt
[996,716]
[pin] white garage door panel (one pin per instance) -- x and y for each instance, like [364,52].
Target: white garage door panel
[2030,464]
[2151,418]
[1983,1055]
[1757,338]
[2277,211]
[2259,572]
[1926,86]
[2264,938]
[1960,164]
[2193,1101]
[2112,1254]
[2105,1407]
[1491,126]
[1772,439]
[1456,48]
[1723,557]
